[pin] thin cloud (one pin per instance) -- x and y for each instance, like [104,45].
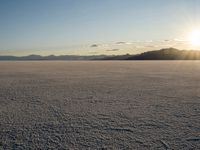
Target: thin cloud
[167,40]
[115,49]
[93,52]
[94,45]
[149,41]
[151,46]
[120,43]
[180,40]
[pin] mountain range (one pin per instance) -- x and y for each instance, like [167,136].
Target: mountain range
[52,57]
[162,54]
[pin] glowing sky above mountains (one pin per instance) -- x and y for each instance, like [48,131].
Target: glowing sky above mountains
[92,27]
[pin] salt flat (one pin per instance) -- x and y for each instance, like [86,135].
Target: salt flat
[100,105]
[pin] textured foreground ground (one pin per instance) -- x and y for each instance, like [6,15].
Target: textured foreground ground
[100,105]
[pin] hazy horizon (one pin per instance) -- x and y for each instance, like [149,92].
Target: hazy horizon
[94,54]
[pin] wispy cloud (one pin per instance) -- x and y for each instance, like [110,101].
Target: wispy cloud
[180,40]
[120,43]
[94,45]
[124,43]
[115,49]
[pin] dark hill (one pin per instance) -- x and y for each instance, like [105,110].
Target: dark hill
[168,54]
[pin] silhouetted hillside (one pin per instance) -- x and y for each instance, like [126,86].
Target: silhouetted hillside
[163,54]
[118,57]
[168,54]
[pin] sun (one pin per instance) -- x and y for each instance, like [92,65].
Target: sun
[194,38]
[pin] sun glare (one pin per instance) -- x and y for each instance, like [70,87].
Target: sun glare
[194,38]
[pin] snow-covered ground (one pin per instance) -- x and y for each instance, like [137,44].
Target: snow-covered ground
[100,105]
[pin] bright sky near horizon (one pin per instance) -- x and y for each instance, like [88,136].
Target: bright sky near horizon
[88,27]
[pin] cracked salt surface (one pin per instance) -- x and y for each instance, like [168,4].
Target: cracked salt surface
[100,105]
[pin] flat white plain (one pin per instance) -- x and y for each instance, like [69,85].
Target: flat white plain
[100,105]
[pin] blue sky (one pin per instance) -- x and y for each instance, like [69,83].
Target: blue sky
[71,26]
